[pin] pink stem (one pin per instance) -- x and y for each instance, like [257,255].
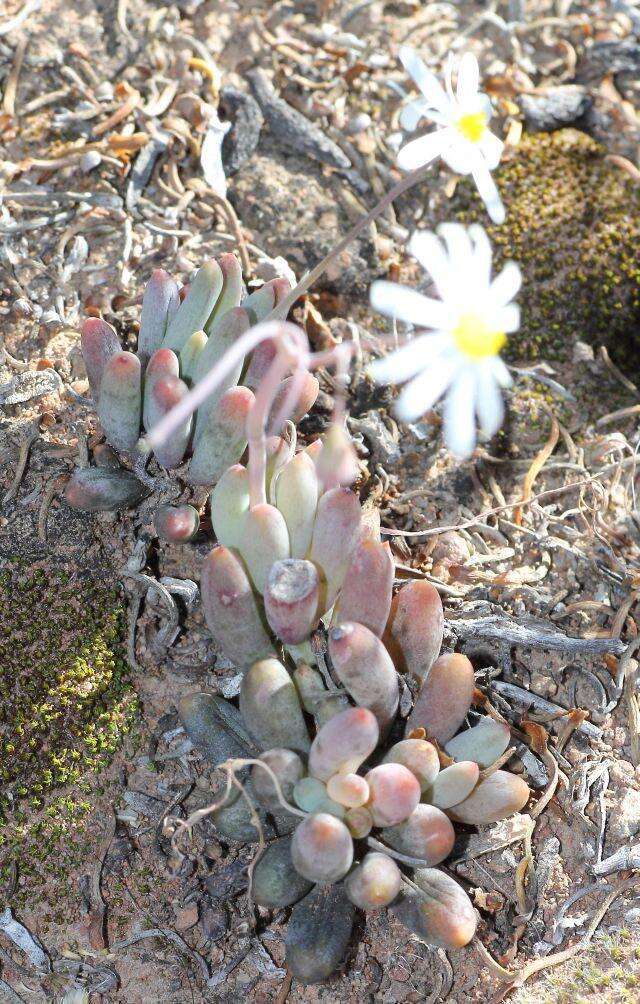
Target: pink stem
[280,330]
[256,426]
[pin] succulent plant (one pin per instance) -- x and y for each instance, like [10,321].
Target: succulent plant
[183,334]
[365,802]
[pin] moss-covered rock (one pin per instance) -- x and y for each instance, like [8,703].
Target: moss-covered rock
[65,701]
[573,225]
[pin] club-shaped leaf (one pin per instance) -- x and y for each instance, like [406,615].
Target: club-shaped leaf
[365,596]
[98,342]
[159,303]
[223,438]
[120,401]
[444,698]
[231,611]
[195,309]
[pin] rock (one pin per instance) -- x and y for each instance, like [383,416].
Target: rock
[318,933]
[288,204]
[29,385]
[554,107]
[246,119]
[624,818]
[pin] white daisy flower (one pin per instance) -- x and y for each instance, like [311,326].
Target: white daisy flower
[469,323]
[462,137]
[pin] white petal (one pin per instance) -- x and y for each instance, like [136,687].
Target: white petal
[468,77]
[456,237]
[489,403]
[459,154]
[408,305]
[505,286]
[429,251]
[424,78]
[507,318]
[459,414]
[448,73]
[423,150]
[408,360]
[500,372]
[482,254]
[412,113]
[487,190]
[491,148]
[425,389]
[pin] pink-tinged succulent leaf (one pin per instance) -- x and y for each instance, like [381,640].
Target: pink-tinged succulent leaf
[99,343]
[418,756]
[322,849]
[274,881]
[444,699]
[427,834]
[370,523]
[229,505]
[343,743]
[375,883]
[335,535]
[363,666]
[103,489]
[311,795]
[315,697]
[261,302]
[163,363]
[287,767]
[166,393]
[230,609]
[232,290]
[176,523]
[297,500]
[484,743]
[415,628]
[222,335]
[223,438]
[270,707]
[336,462]
[453,784]
[120,401]
[440,914]
[394,793]
[260,360]
[195,309]
[498,796]
[291,599]
[295,397]
[358,822]
[278,454]
[189,355]
[281,288]
[350,790]
[365,596]
[159,304]
[265,539]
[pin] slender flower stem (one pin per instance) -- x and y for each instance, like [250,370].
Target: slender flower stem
[241,348]
[256,427]
[308,280]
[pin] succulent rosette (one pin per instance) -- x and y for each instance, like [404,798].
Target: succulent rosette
[358,803]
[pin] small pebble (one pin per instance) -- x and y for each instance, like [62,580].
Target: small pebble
[89,161]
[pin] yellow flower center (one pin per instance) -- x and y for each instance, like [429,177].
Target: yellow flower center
[472,126]
[476,339]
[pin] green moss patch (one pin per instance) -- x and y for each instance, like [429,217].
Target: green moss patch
[65,701]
